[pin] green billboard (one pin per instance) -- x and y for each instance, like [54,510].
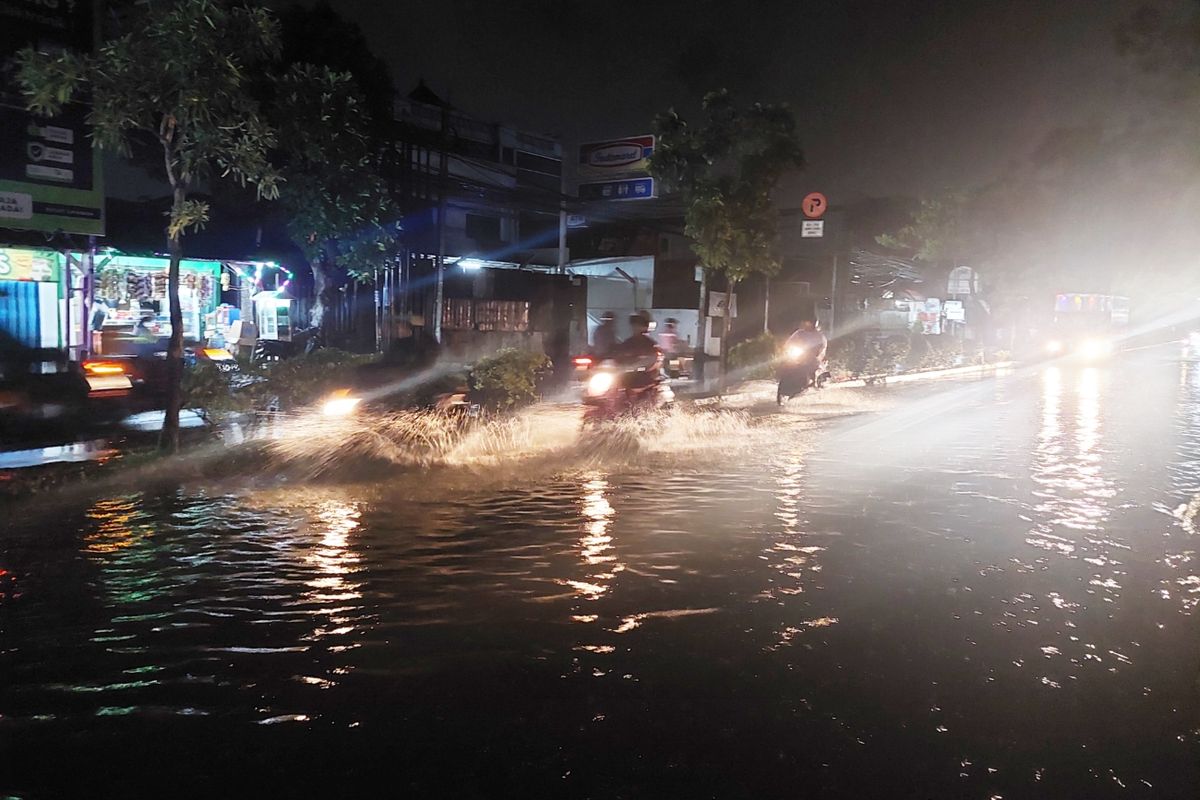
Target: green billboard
[50,175]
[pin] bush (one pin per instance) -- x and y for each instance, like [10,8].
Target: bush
[755,358]
[509,378]
[206,390]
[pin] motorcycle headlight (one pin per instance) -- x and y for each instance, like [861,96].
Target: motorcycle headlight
[341,406]
[600,383]
[794,352]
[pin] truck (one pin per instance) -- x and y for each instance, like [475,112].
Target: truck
[1086,325]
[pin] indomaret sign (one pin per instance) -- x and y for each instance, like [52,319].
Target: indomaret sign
[616,169]
[49,175]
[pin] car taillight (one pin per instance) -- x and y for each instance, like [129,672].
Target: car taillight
[582,361]
[104,368]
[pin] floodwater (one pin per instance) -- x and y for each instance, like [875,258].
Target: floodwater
[976,589]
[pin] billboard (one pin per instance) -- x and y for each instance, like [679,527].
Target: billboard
[49,175]
[615,158]
[616,169]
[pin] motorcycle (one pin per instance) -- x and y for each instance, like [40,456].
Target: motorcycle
[617,388]
[800,371]
[272,350]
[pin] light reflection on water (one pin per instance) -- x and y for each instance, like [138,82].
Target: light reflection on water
[978,600]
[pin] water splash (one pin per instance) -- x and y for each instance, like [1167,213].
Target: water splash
[313,445]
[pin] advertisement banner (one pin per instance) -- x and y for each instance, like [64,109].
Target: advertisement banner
[43,266]
[615,158]
[49,175]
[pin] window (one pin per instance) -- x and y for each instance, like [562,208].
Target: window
[457,314]
[502,315]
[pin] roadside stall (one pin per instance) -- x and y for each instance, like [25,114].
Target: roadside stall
[130,298]
[274,310]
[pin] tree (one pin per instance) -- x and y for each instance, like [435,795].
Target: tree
[726,171]
[339,210]
[179,76]
[937,231]
[318,35]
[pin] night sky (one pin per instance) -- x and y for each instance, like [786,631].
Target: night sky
[893,97]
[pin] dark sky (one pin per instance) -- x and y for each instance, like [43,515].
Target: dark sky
[894,97]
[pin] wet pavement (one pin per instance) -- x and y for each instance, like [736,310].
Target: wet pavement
[975,589]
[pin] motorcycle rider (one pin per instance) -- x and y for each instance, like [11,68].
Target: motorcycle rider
[640,351]
[668,340]
[604,340]
[804,368]
[810,338]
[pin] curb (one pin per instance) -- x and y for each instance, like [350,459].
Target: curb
[858,383]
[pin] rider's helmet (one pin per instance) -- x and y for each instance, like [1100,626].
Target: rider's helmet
[639,321]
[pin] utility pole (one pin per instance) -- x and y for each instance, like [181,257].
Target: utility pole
[767,305]
[562,237]
[443,181]
[833,296]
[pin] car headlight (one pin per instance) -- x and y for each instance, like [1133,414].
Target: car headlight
[1095,348]
[1054,347]
[794,352]
[342,406]
[600,383]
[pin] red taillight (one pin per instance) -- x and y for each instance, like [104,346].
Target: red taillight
[104,368]
[583,361]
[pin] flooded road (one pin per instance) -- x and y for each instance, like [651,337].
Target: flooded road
[975,589]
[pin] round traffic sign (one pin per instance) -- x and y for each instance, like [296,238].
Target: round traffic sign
[814,205]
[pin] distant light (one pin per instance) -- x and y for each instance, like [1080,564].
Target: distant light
[1095,348]
[1054,346]
[470,263]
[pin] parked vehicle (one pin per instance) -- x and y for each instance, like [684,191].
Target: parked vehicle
[43,392]
[302,342]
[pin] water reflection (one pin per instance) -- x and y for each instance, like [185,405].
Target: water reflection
[1072,488]
[335,563]
[1073,504]
[596,552]
[1182,585]
[792,549]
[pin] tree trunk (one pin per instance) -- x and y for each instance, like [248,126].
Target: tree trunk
[730,287]
[316,316]
[700,354]
[168,439]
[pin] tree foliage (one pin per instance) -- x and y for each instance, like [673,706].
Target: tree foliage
[726,170]
[179,74]
[339,211]
[940,230]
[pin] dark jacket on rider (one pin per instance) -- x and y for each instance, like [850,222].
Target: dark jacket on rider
[604,340]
